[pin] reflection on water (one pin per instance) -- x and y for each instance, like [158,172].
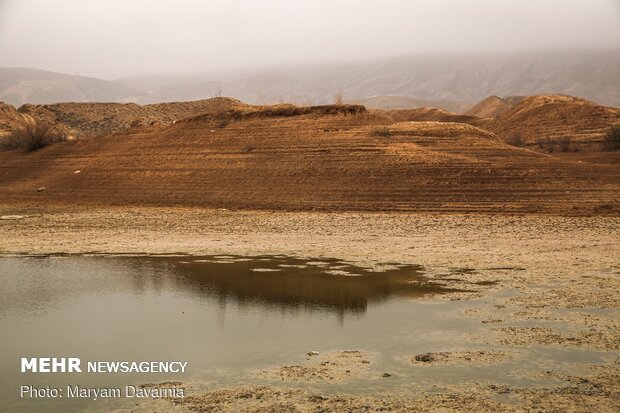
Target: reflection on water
[268,281]
[291,283]
[227,317]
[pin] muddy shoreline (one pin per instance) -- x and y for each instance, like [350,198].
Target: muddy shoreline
[561,276]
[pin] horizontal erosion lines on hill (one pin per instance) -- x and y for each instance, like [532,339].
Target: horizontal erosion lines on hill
[307,158]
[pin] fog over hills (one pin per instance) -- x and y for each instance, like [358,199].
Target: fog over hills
[428,78]
[23,85]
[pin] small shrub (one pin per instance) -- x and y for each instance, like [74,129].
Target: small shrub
[9,142]
[31,137]
[383,132]
[605,207]
[516,139]
[564,144]
[545,143]
[222,120]
[612,138]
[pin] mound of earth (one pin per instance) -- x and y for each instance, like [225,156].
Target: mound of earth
[97,119]
[283,110]
[327,158]
[550,119]
[490,107]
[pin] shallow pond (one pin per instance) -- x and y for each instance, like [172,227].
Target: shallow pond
[228,317]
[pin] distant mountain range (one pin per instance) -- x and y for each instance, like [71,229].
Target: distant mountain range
[450,82]
[22,85]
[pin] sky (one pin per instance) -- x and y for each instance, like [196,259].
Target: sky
[117,38]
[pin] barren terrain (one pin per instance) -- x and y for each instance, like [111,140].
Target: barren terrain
[337,157]
[526,237]
[549,118]
[536,281]
[491,107]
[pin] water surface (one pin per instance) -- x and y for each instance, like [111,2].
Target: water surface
[228,317]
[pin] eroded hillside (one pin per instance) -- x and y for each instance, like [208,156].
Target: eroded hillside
[97,119]
[327,158]
[544,119]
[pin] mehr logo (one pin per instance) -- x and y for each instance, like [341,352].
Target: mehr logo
[51,365]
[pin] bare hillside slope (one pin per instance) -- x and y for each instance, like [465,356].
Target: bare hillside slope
[96,119]
[490,107]
[551,118]
[328,158]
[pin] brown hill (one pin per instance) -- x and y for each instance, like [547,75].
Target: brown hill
[491,107]
[548,119]
[329,158]
[96,119]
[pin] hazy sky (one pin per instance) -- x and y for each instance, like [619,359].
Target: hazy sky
[114,38]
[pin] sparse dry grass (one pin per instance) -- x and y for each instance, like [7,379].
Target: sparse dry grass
[612,137]
[564,144]
[383,132]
